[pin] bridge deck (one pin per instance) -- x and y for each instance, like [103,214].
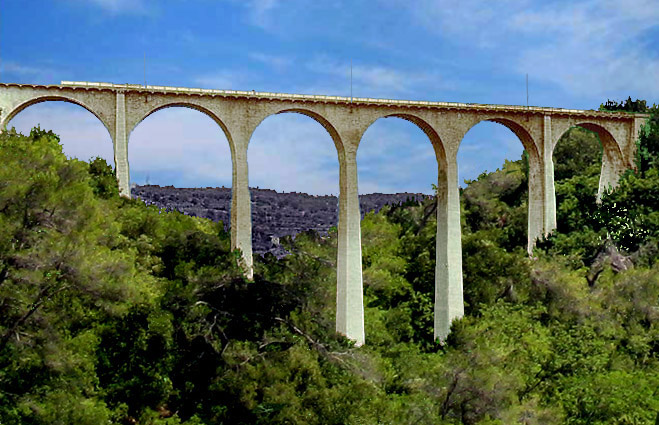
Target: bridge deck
[325,98]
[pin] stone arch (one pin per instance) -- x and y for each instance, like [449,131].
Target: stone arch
[349,301]
[610,145]
[322,151]
[606,138]
[536,187]
[320,119]
[613,158]
[428,130]
[189,105]
[448,291]
[190,136]
[522,133]
[55,98]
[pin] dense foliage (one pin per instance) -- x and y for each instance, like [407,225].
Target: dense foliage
[116,312]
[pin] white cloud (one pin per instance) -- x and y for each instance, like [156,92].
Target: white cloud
[590,48]
[475,22]
[594,48]
[485,147]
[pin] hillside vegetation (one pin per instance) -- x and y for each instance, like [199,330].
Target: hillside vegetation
[274,215]
[112,311]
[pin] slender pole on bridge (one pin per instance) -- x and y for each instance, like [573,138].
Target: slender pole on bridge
[527,97]
[350,80]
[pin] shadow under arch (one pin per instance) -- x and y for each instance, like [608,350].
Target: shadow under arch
[54,98]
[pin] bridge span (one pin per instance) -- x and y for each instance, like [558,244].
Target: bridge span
[121,107]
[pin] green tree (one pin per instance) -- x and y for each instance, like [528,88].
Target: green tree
[58,278]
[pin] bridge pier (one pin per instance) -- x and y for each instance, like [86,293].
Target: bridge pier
[449,304]
[536,197]
[241,205]
[349,285]
[549,202]
[120,143]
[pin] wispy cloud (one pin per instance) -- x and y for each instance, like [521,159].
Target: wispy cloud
[259,11]
[123,6]
[279,63]
[18,72]
[227,80]
[372,80]
[395,156]
[182,147]
[486,147]
[467,22]
[19,69]
[594,48]
[589,48]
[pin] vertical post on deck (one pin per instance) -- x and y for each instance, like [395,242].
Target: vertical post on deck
[449,301]
[241,209]
[349,285]
[121,147]
[549,188]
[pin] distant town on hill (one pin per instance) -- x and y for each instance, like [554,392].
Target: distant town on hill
[274,214]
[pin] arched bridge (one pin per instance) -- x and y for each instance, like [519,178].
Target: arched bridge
[121,107]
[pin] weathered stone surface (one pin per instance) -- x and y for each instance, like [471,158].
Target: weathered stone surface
[121,107]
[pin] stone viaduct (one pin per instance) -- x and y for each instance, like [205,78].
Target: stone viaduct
[121,107]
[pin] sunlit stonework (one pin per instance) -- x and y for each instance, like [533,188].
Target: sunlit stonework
[121,107]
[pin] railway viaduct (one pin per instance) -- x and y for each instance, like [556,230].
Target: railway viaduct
[121,107]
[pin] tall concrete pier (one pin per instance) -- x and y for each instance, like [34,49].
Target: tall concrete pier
[121,107]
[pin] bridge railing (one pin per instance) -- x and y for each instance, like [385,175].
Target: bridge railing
[324,97]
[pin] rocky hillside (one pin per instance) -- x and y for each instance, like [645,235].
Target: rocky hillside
[273,214]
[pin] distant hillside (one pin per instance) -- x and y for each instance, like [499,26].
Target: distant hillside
[274,214]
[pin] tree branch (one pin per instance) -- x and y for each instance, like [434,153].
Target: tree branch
[41,298]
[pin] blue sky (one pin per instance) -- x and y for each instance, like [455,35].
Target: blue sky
[578,54]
